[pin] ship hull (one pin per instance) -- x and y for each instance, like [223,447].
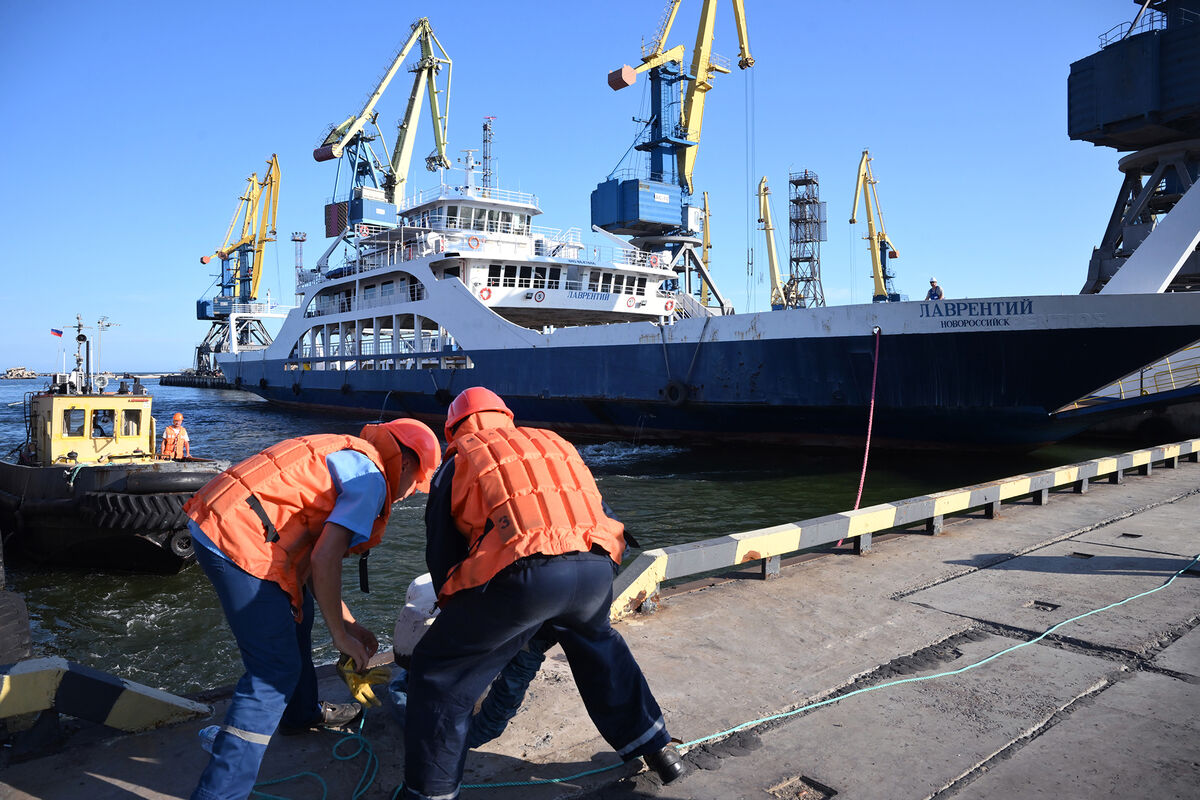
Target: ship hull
[943,376]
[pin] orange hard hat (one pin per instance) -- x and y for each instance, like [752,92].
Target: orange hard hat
[177,418]
[472,401]
[416,436]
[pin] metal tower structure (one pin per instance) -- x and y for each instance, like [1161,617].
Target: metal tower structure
[1141,93]
[299,237]
[807,229]
[487,152]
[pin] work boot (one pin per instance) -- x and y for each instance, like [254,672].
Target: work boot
[333,715]
[666,763]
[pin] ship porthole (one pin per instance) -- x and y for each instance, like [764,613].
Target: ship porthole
[295,388]
[676,393]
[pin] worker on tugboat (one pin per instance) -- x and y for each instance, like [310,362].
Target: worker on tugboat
[271,533]
[175,442]
[516,539]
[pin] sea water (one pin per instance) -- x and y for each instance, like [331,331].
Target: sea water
[169,632]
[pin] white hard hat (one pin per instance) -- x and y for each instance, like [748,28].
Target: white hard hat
[932,279]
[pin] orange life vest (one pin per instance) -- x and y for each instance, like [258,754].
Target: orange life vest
[290,484]
[172,444]
[538,494]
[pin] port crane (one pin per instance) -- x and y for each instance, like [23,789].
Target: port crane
[878,242]
[377,184]
[235,312]
[783,295]
[654,206]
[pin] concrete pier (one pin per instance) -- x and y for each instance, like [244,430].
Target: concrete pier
[1106,706]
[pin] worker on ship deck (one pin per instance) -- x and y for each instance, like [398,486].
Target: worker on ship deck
[271,533]
[175,442]
[518,543]
[935,292]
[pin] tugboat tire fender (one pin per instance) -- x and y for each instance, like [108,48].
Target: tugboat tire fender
[137,512]
[181,543]
[156,482]
[676,393]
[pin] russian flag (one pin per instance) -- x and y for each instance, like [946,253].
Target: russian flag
[56,332]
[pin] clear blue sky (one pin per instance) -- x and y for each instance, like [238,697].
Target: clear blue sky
[132,127]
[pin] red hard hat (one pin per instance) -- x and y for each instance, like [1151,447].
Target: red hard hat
[416,436]
[472,401]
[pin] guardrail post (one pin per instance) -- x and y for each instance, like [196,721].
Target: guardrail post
[1193,457]
[1145,469]
[991,510]
[1118,476]
[1171,463]
[770,568]
[862,544]
[935,524]
[1041,497]
[1081,486]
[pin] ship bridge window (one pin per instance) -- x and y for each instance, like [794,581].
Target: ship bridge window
[494,271]
[593,281]
[479,217]
[493,218]
[606,282]
[510,275]
[526,277]
[132,423]
[370,291]
[387,289]
[641,286]
[452,220]
[555,277]
[619,284]
[73,419]
[539,277]
[103,422]
[437,217]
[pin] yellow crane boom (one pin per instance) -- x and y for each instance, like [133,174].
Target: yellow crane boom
[426,71]
[877,238]
[702,69]
[257,209]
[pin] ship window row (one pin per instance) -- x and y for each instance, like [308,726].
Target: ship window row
[373,295]
[616,283]
[469,218]
[74,423]
[524,277]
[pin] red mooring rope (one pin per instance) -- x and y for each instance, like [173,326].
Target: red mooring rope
[862,480]
[870,419]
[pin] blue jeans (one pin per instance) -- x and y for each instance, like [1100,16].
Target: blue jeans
[280,683]
[480,630]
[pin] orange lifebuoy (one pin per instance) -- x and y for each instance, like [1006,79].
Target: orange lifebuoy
[652,260]
[485,293]
[669,306]
[473,243]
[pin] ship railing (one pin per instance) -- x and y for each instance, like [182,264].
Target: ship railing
[409,293]
[428,344]
[1179,370]
[1149,21]
[639,586]
[447,192]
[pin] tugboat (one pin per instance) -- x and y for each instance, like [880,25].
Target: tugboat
[86,488]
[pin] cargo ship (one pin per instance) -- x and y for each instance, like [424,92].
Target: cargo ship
[420,296]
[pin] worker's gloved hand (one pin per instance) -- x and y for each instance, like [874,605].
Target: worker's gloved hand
[360,684]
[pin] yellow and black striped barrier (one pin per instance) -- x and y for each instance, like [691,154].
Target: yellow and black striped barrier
[42,683]
[639,583]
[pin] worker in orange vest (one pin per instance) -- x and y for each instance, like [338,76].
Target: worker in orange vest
[270,533]
[518,546]
[175,439]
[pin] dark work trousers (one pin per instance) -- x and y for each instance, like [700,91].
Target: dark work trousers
[280,683]
[479,630]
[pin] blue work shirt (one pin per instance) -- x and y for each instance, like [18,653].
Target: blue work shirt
[361,492]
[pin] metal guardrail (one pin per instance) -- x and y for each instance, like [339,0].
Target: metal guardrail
[1177,371]
[637,587]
